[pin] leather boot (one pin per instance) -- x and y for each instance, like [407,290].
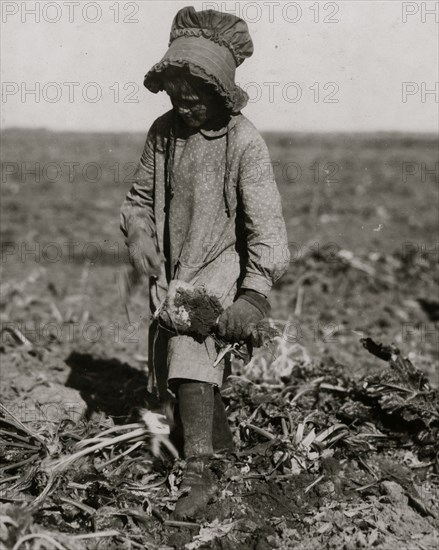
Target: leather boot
[200,486]
[222,437]
[196,404]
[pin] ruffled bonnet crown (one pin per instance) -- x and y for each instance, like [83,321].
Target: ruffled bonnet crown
[211,45]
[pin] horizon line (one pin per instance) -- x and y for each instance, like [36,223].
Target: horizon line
[266,131]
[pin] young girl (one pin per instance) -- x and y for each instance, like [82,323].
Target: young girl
[204,209]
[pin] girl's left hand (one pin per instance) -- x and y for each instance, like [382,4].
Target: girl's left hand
[239,321]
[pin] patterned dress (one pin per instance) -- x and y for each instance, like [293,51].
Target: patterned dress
[210,199]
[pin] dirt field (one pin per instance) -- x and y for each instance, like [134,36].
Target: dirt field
[362,219]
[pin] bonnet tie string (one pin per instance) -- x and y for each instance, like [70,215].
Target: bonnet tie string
[226,178]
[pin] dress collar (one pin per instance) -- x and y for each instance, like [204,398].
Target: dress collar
[180,131]
[212,134]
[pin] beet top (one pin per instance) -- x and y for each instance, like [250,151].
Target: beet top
[203,309]
[189,310]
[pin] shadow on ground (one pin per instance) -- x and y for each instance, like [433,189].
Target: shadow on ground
[109,386]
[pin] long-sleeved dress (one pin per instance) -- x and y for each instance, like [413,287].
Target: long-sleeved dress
[211,201]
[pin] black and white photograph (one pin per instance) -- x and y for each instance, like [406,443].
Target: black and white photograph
[219,307]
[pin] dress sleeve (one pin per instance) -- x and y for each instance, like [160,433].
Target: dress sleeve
[137,210]
[266,236]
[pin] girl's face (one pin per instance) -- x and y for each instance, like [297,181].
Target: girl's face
[195,104]
[194,110]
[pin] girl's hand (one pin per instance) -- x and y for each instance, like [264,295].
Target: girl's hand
[242,319]
[143,253]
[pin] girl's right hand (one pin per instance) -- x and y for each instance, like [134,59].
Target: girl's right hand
[143,253]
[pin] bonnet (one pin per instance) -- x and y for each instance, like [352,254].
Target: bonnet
[211,45]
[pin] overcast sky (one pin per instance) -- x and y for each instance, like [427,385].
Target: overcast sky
[326,66]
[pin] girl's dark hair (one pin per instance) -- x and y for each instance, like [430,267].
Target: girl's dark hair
[177,80]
